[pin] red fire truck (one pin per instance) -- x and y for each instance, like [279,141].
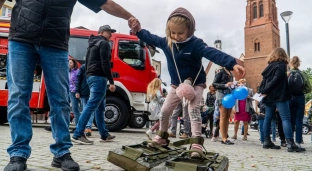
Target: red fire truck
[131,68]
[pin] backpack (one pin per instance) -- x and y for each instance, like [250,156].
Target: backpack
[295,82]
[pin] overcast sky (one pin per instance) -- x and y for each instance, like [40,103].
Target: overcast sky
[215,19]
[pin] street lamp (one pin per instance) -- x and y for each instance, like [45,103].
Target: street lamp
[286,17]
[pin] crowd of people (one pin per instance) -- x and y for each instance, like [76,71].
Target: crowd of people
[283,101]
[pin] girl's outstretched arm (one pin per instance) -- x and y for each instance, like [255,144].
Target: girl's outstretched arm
[219,57]
[152,39]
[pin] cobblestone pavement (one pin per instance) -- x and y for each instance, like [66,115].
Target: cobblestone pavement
[244,155]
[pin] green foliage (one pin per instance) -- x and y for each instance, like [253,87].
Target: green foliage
[309,72]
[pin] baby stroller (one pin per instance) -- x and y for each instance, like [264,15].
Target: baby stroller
[181,123]
[205,115]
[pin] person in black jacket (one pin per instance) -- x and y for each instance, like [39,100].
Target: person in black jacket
[210,102]
[39,32]
[274,89]
[223,82]
[98,71]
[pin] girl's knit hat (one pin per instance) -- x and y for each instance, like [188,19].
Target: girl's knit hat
[185,13]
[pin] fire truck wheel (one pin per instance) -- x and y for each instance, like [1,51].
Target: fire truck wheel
[116,114]
[3,116]
[137,121]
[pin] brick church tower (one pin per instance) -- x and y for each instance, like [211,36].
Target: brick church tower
[261,37]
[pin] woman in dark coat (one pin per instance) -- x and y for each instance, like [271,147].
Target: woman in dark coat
[274,88]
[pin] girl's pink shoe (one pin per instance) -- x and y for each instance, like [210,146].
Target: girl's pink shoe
[198,148]
[157,139]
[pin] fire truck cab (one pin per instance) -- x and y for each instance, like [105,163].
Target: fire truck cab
[132,70]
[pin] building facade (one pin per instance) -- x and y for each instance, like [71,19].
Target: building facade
[157,65]
[211,68]
[262,36]
[6,9]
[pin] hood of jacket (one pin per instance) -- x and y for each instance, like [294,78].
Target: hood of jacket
[185,13]
[95,39]
[272,67]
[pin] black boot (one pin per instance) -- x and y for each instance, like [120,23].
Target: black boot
[268,144]
[283,143]
[66,163]
[16,163]
[292,147]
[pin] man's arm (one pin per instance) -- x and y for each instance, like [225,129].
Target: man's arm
[1,3]
[116,10]
[108,6]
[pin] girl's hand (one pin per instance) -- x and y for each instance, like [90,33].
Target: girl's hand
[263,95]
[134,24]
[239,70]
[228,84]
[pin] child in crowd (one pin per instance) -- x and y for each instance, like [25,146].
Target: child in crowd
[156,100]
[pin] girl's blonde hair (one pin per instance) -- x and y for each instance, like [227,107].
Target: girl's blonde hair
[242,81]
[295,62]
[152,88]
[176,20]
[278,54]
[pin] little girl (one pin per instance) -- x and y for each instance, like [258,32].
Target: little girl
[184,54]
[156,100]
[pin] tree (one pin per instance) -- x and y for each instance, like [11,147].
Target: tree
[309,73]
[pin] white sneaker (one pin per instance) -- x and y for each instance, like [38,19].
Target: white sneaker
[213,139]
[299,145]
[149,134]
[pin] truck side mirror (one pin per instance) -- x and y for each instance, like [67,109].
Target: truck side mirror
[142,54]
[142,43]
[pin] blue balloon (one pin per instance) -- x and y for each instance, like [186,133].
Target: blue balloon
[228,101]
[240,93]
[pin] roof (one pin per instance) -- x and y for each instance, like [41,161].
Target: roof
[218,41]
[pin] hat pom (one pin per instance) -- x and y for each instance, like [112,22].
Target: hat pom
[185,90]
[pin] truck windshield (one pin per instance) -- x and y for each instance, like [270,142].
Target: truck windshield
[77,48]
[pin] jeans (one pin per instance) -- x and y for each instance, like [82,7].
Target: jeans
[297,105]
[75,106]
[273,129]
[84,101]
[283,108]
[21,63]
[96,103]
[280,127]
[260,122]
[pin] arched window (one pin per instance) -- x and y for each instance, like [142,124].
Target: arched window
[257,45]
[261,9]
[255,16]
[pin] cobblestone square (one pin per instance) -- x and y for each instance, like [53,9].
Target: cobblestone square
[243,156]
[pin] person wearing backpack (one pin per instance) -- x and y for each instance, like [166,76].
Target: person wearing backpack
[275,90]
[299,85]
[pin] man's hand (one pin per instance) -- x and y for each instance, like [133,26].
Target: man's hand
[239,70]
[263,95]
[134,24]
[77,95]
[112,88]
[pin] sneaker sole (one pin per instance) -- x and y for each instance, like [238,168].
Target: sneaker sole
[294,150]
[56,165]
[273,148]
[80,142]
[150,138]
